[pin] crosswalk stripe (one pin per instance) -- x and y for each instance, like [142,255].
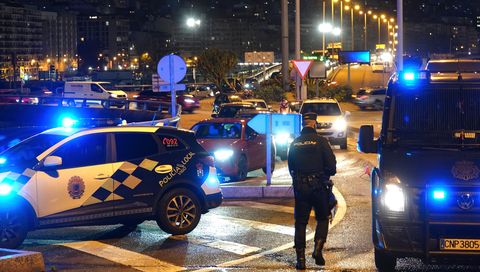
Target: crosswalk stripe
[232,247]
[124,257]
[257,225]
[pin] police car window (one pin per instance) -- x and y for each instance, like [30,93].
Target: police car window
[83,151]
[218,130]
[321,108]
[25,153]
[131,146]
[96,88]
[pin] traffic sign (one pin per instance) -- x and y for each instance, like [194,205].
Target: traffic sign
[281,123]
[318,70]
[177,87]
[302,67]
[172,68]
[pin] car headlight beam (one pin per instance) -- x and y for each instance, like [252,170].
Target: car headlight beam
[394,198]
[223,154]
[340,124]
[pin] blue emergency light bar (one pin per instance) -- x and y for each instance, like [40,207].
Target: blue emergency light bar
[414,78]
[69,122]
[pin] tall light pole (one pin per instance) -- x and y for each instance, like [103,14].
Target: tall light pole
[400,35]
[323,32]
[285,51]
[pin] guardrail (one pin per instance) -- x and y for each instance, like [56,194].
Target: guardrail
[122,107]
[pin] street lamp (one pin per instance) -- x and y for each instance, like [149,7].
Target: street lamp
[192,22]
[336,31]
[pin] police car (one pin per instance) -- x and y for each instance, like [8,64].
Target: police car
[426,188]
[107,175]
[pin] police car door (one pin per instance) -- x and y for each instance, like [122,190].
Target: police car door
[135,182]
[82,185]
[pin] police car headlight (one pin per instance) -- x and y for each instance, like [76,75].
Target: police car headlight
[283,138]
[340,124]
[394,198]
[114,95]
[223,154]
[5,189]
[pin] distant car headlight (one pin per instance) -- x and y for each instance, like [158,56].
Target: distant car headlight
[283,138]
[393,198]
[340,124]
[223,154]
[189,100]
[5,189]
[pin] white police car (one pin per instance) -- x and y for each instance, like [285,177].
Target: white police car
[110,175]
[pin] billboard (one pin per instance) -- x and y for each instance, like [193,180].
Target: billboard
[362,57]
[259,57]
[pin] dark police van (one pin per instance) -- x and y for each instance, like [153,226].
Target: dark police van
[426,188]
[106,175]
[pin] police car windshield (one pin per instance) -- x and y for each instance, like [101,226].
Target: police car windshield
[218,130]
[329,109]
[24,154]
[436,115]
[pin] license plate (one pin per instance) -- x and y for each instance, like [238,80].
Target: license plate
[459,244]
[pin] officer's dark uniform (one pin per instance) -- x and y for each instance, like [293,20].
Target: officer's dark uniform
[311,163]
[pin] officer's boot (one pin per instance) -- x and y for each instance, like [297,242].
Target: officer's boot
[317,252]
[300,259]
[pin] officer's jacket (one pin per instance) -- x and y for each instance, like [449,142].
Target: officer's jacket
[311,153]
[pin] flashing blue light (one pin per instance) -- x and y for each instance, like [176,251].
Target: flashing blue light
[439,195]
[409,76]
[5,189]
[3,160]
[68,122]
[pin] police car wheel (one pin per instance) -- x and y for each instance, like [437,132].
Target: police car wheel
[13,228]
[384,262]
[179,212]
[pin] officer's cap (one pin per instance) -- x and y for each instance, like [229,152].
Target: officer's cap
[310,116]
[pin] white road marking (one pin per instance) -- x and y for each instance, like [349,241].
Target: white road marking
[232,247]
[124,257]
[257,225]
[342,210]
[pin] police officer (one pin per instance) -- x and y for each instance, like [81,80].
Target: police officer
[311,162]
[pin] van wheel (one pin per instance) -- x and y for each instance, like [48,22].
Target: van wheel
[179,212]
[13,227]
[383,262]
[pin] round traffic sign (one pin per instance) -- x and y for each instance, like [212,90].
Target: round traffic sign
[172,68]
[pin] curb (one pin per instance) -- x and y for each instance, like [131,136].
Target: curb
[272,191]
[21,261]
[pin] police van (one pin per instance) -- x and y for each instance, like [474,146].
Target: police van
[106,175]
[426,188]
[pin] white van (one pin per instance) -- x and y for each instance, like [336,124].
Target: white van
[92,90]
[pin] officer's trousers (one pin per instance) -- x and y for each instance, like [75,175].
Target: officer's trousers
[305,200]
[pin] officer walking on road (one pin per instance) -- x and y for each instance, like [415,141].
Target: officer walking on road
[311,162]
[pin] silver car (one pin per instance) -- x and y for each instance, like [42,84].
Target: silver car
[373,99]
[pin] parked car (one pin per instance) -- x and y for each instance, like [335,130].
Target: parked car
[259,104]
[231,110]
[373,99]
[188,102]
[237,148]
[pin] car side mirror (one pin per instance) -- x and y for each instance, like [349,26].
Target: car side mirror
[214,115]
[52,161]
[366,142]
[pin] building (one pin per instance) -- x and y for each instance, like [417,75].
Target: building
[106,36]
[59,40]
[20,40]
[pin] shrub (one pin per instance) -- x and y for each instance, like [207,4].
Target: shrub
[270,90]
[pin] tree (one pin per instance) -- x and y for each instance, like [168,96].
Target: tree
[216,64]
